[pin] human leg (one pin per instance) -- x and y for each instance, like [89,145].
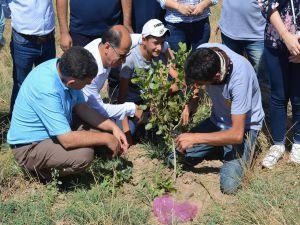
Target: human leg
[235,45]
[278,69]
[255,53]
[41,157]
[48,51]
[81,40]
[2,25]
[295,101]
[277,66]
[198,33]
[294,82]
[23,53]
[237,158]
[177,34]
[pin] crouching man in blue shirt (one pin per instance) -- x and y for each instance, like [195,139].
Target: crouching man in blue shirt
[236,116]
[40,134]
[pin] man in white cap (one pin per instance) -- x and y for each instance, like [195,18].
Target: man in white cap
[152,47]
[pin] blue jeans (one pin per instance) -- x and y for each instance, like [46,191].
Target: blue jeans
[285,80]
[254,51]
[2,24]
[236,157]
[25,55]
[193,34]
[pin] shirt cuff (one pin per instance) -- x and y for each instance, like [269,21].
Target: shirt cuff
[130,108]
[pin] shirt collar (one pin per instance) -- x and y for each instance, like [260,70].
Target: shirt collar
[65,88]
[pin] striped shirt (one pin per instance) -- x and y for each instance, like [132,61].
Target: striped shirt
[173,16]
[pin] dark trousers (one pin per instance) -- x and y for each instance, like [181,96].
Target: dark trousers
[284,81]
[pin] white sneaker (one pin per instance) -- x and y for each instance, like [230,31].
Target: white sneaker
[295,153]
[274,154]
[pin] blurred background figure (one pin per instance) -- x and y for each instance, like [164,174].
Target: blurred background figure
[144,10]
[187,21]
[282,54]
[90,19]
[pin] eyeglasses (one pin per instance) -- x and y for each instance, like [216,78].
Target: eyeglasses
[121,56]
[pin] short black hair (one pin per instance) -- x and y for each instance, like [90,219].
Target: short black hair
[201,65]
[112,36]
[79,63]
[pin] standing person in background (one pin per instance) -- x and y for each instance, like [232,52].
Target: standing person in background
[4,13]
[242,30]
[33,40]
[144,10]
[282,54]
[90,19]
[187,21]
[2,25]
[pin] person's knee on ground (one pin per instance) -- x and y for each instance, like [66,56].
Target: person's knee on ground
[82,160]
[231,175]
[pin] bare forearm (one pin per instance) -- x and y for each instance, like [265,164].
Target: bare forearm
[233,135]
[276,21]
[127,11]
[62,15]
[219,138]
[207,4]
[82,139]
[171,4]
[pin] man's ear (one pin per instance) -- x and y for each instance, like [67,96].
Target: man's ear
[144,39]
[218,76]
[70,82]
[106,45]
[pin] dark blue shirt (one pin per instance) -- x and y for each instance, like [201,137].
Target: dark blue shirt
[144,10]
[93,17]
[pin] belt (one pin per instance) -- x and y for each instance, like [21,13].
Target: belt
[18,145]
[38,39]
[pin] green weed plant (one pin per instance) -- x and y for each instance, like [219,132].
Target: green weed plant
[157,185]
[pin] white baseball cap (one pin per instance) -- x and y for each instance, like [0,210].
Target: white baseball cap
[154,27]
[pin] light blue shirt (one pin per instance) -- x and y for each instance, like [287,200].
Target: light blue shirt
[239,95]
[173,16]
[43,108]
[242,20]
[32,17]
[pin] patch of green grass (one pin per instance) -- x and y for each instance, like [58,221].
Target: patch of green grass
[99,206]
[155,150]
[155,185]
[33,209]
[112,173]
[8,168]
[5,72]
